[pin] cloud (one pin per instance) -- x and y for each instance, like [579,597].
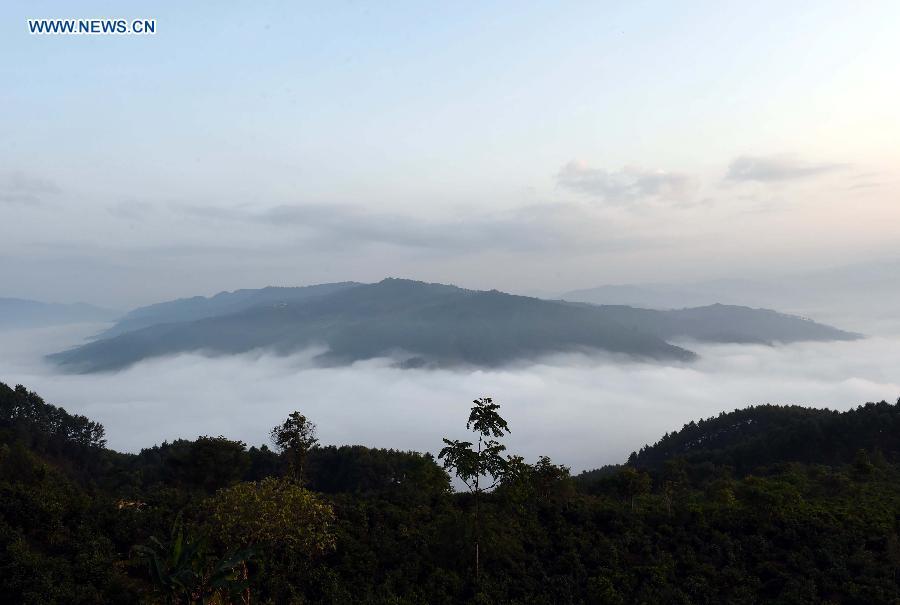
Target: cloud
[533,228]
[776,168]
[16,187]
[579,410]
[629,184]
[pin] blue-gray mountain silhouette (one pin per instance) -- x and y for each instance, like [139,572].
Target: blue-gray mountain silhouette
[426,324]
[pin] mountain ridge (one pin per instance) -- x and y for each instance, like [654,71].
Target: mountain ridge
[828,292]
[437,325]
[223,303]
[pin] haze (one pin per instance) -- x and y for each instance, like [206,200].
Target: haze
[529,147]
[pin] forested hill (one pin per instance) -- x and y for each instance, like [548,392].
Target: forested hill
[751,439]
[423,324]
[211,520]
[770,434]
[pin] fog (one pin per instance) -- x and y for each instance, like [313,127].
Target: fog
[581,411]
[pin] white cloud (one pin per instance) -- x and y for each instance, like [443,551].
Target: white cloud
[580,411]
[626,185]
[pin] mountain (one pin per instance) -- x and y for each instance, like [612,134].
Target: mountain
[654,296]
[757,436]
[765,439]
[438,325]
[860,293]
[22,313]
[725,323]
[223,303]
[423,323]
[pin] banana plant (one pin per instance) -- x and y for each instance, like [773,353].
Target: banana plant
[180,569]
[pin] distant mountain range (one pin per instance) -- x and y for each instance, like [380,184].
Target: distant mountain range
[861,291]
[22,313]
[422,324]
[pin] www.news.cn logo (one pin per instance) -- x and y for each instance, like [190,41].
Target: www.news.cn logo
[92,27]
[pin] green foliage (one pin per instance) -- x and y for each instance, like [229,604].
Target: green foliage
[365,471]
[542,482]
[633,483]
[48,428]
[737,509]
[273,514]
[205,465]
[182,571]
[294,438]
[471,462]
[769,434]
[287,525]
[55,542]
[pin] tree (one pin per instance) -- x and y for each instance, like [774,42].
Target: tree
[209,463]
[674,480]
[633,483]
[862,465]
[471,463]
[274,512]
[294,438]
[527,486]
[276,517]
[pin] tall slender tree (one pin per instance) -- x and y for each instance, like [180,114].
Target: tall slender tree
[472,462]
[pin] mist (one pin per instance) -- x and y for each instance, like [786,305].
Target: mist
[582,411]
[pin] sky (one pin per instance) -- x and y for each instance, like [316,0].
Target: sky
[524,146]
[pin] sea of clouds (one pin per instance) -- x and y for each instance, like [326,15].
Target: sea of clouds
[580,410]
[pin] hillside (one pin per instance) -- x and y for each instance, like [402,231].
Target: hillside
[679,523]
[769,434]
[430,324]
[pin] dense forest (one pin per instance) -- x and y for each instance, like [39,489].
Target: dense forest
[765,504]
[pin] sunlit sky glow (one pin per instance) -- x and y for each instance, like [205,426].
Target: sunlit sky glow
[523,146]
